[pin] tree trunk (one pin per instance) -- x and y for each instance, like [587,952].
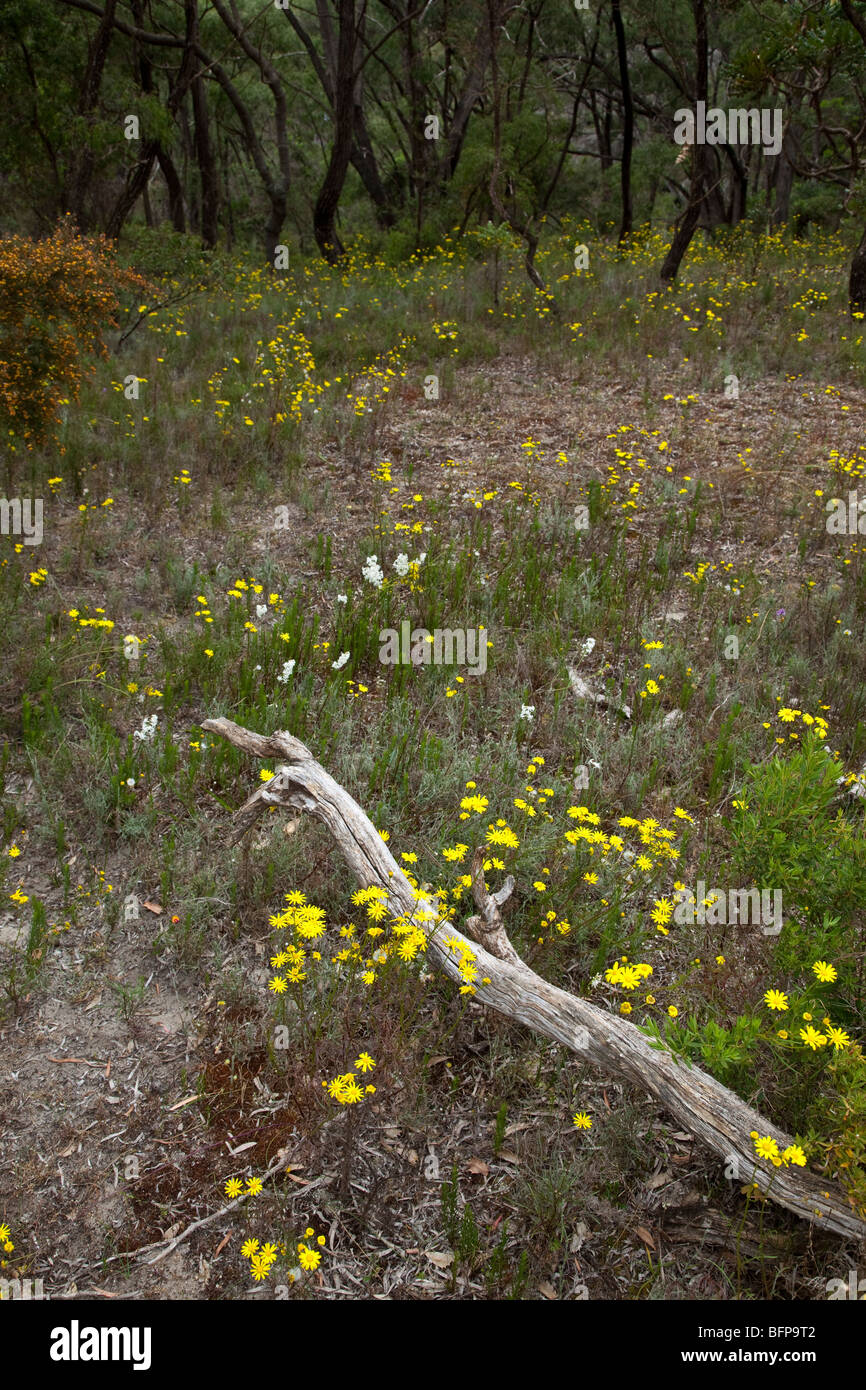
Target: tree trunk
[138,176]
[136,182]
[628,122]
[857,280]
[740,190]
[783,179]
[279,206]
[82,162]
[276,185]
[176,208]
[325,211]
[207,171]
[688,222]
[616,1047]
[364,163]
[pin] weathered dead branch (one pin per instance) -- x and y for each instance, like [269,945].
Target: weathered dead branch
[711,1112]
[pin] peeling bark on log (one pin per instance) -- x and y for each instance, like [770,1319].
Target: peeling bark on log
[717,1117]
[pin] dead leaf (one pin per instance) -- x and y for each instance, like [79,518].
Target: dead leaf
[223,1243]
[153,907]
[645,1236]
[508,1157]
[434,1060]
[581,1231]
[547,1289]
[439,1260]
[659,1179]
[181,1103]
[477,1165]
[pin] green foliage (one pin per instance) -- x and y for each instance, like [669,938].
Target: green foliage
[728,1053]
[788,832]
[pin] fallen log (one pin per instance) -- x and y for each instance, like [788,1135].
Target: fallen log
[715,1115]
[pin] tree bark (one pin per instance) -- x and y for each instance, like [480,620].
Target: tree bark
[82,163]
[204,154]
[625,225]
[176,208]
[711,1112]
[277,185]
[325,210]
[138,176]
[857,279]
[685,229]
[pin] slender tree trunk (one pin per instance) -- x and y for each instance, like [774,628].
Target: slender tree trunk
[136,182]
[325,211]
[740,190]
[470,92]
[176,207]
[364,163]
[82,163]
[496,15]
[857,280]
[276,184]
[209,182]
[628,122]
[685,229]
[600,133]
[227,189]
[207,172]
[138,176]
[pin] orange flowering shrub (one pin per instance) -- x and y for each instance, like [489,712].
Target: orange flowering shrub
[56,296]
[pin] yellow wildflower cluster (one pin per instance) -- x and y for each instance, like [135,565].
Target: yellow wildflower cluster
[345,1089]
[810,722]
[767,1147]
[466,964]
[261,1257]
[654,839]
[626,975]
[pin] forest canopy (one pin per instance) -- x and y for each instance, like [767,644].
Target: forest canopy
[304,123]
